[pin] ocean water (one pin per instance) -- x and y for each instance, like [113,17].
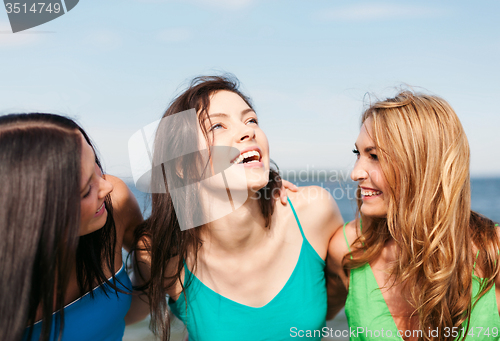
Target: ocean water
[485,199]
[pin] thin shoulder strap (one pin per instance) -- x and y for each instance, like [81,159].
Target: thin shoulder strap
[475,261]
[345,236]
[297,219]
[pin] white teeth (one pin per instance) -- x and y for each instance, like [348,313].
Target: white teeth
[368,193]
[100,208]
[247,154]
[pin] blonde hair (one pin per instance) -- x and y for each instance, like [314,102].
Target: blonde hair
[424,155]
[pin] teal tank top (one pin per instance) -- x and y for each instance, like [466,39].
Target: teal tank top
[299,307]
[376,322]
[91,319]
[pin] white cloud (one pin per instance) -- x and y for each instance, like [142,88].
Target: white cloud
[19,39]
[174,35]
[380,11]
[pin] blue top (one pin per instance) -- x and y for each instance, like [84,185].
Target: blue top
[96,319]
[299,307]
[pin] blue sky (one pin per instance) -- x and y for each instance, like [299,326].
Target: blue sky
[308,65]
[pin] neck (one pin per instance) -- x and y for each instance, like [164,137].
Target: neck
[238,231]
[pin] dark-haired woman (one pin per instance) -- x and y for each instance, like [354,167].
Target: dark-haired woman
[254,271]
[62,226]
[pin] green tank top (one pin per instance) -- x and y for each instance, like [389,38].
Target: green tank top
[297,311]
[369,318]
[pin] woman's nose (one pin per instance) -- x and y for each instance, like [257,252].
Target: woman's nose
[359,172]
[105,187]
[246,133]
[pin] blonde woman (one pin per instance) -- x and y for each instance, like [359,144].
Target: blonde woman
[424,263]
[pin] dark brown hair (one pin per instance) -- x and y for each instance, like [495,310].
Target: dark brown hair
[40,170]
[162,228]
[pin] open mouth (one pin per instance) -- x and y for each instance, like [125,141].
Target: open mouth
[251,156]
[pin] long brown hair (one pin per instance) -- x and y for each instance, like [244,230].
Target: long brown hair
[40,156]
[170,246]
[424,155]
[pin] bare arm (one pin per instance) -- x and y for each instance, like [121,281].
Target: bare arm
[126,212]
[337,278]
[128,216]
[336,293]
[139,308]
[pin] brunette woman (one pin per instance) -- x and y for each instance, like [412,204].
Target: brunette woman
[62,226]
[235,265]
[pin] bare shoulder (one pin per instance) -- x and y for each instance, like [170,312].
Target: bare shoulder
[316,202]
[121,194]
[338,247]
[319,215]
[126,211]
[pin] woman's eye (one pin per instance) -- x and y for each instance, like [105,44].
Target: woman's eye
[374,156]
[355,151]
[253,120]
[88,193]
[216,126]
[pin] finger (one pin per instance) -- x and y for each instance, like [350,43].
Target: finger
[283,196]
[290,186]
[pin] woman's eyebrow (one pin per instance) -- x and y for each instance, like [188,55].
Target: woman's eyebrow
[367,149]
[218,115]
[246,111]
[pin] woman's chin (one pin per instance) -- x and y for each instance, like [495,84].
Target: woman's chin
[373,212]
[257,175]
[96,224]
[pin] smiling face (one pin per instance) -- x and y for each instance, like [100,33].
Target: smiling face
[94,189]
[368,172]
[235,124]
